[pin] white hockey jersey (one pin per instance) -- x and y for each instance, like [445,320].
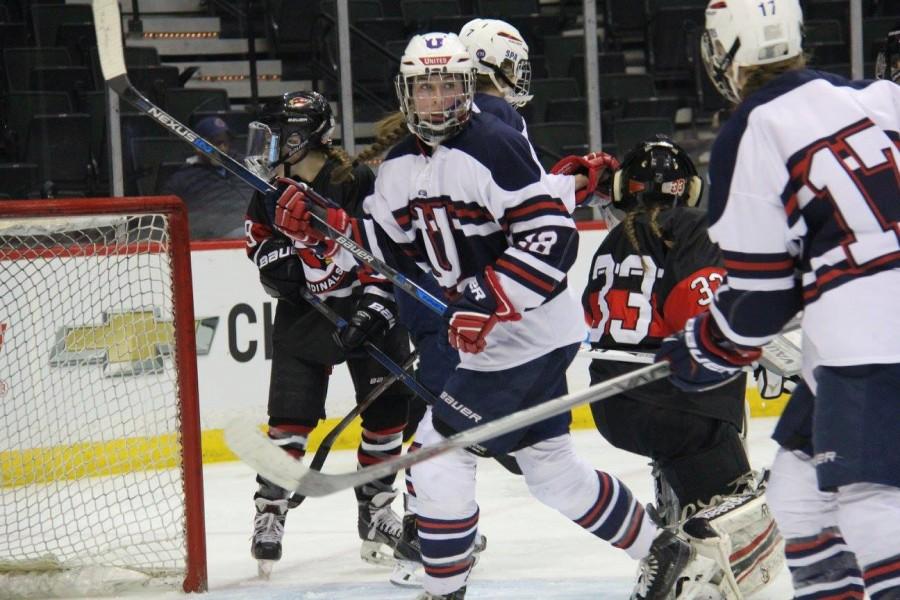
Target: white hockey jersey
[805,205]
[481,199]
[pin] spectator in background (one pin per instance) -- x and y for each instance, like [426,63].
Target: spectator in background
[216,199]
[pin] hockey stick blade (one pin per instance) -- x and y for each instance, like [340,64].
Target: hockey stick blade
[274,464]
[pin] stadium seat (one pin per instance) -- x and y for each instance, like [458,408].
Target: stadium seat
[46,19]
[78,38]
[545,90]
[627,133]
[566,109]
[607,62]
[21,106]
[664,107]
[182,102]
[359,9]
[503,9]
[18,63]
[61,79]
[146,155]
[823,30]
[827,53]
[13,35]
[153,81]
[875,31]
[18,180]
[60,146]
[418,13]
[616,89]
[674,32]
[626,22]
[549,139]
[383,28]
[558,50]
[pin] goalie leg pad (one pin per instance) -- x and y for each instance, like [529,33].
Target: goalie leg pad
[739,533]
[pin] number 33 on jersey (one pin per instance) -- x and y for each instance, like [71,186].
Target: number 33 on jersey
[634,299]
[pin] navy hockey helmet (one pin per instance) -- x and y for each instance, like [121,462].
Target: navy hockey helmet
[887,65]
[290,126]
[656,172]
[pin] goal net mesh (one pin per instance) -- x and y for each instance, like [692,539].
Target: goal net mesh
[90,431]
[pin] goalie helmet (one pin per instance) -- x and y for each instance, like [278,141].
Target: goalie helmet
[499,52]
[656,172]
[435,86]
[289,127]
[748,33]
[887,65]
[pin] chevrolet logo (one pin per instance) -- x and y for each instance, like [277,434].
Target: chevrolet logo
[127,343]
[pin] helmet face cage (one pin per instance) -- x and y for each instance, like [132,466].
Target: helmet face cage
[887,64]
[500,52]
[658,173]
[436,86]
[720,66]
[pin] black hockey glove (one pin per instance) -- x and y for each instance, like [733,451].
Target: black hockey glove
[280,270]
[373,317]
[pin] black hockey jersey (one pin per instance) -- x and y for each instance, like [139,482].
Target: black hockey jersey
[635,299]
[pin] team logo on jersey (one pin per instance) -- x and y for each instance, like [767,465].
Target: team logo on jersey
[126,343]
[434,43]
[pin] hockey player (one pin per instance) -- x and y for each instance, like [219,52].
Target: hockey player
[464,198]
[649,276]
[293,140]
[803,203]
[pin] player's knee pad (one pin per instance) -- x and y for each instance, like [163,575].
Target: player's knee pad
[713,471]
[557,476]
[739,533]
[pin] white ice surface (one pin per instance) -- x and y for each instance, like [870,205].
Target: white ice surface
[532,553]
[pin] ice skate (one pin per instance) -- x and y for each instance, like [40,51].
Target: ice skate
[408,568]
[459,594]
[268,529]
[659,570]
[379,526]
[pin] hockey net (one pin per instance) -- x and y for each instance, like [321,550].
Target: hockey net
[100,467]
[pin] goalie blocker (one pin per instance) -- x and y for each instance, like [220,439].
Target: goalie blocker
[738,548]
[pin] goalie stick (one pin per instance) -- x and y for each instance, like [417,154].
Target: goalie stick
[108,26]
[277,466]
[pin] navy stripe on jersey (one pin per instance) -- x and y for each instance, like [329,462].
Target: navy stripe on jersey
[823,567]
[883,578]
[723,156]
[759,266]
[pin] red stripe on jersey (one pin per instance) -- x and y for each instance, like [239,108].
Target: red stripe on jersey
[741,265]
[519,212]
[508,266]
[690,297]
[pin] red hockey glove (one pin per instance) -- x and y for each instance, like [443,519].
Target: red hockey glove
[702,358]
[474,314]
[293,217]
[598,167]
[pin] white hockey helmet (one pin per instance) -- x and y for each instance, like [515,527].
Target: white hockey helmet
[435,86]
[747,33]
[500,52]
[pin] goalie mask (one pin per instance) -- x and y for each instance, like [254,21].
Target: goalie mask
[499,52]
[747,33]
[887,65]
[435,86]
[288,129]
[657,172]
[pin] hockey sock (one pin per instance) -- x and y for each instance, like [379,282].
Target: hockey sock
[378,446]
[823,566]
[292,439]
[446,546]
[883,579]
[618,518]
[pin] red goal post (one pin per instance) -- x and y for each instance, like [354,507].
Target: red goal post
[100,458]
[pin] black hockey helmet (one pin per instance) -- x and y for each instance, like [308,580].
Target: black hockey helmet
[887,64]
[299,121]
[656,172]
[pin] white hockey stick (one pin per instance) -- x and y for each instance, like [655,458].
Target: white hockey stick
[273,463]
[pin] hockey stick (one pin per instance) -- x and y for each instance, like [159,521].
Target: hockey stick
[328,441]
[508,461]
[278,467]
[108,25]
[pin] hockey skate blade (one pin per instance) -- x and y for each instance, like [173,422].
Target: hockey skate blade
[376,553]
[406,574]
[254,448]
[264,568]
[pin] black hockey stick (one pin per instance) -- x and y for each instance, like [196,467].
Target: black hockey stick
[508,461]
[108,26]
[278,467]
[324,448]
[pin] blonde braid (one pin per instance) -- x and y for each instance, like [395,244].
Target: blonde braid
[654,226]
[388,131]
[344,170]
